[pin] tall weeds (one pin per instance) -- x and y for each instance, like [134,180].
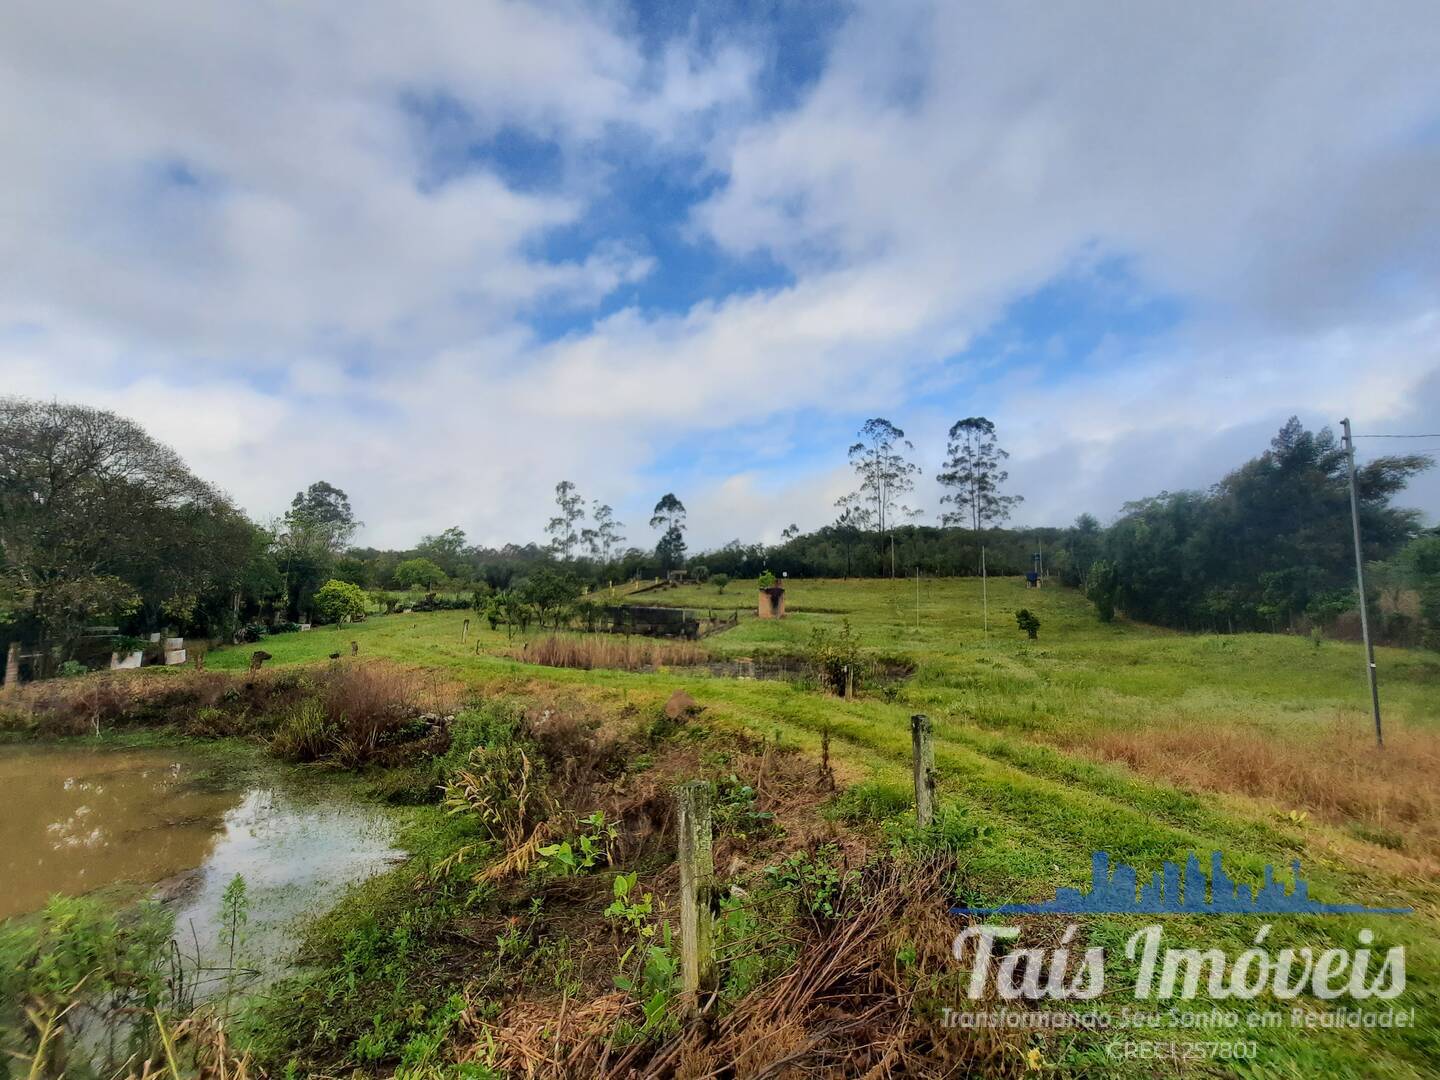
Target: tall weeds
[620,653]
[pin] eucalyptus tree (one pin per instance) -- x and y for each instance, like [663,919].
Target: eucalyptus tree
[564,527]
[605,536]
[884,472]
[669,518]
[974,472]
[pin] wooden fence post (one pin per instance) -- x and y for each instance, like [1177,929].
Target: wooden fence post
[924,755]
[465,632]
[697,888]
[12,667]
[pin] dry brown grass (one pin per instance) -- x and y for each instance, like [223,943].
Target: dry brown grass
[1335,773]
[354,711]
[845,1008]
[604,651]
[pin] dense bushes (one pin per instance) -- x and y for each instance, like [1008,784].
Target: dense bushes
[338,601]
[1267,548]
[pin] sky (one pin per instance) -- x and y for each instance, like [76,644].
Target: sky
[446,254]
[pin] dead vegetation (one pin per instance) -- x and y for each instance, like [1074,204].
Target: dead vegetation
[606,651]
[1336,773]
[353,712]
[863,997]
[837,965]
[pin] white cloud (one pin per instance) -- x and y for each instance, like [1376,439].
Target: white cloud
[223,223]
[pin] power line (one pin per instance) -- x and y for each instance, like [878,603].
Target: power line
[1431,435]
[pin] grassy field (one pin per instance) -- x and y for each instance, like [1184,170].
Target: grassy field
[1145,743]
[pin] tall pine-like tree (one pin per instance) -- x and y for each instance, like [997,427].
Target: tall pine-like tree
[974,472]
[885,475]
[564,527]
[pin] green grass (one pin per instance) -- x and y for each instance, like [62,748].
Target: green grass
[1004,710]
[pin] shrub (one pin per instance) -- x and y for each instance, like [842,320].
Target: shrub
[767,579]
[305,732]
[833,653]
[818,881]
[504,786]
[1027,621]
[720,581]
[337,600]
[78,952]
[700,573]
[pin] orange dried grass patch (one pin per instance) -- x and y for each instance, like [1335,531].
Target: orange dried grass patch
[603,651]
[1335,773]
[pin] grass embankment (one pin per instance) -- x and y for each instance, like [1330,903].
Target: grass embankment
[1147,743]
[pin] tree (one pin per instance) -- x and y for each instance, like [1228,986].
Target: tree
[352,569]
[1083,545]
[324,509]
[1421,562]
[790,532]
[1101,587]
[564,527]
[974,473]
[550,594]
[1267,546]
[601,540]
[669,517]
[447,550]
[884,472]
[337,600]
[720,581]
[100,521]
[413,573]
[1027,621]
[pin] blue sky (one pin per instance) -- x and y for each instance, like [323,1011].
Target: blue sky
[447,259]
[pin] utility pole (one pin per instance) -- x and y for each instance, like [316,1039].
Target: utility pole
[1360,584]
[917,596]
[984,594]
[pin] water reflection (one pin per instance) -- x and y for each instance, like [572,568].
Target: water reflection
[79,818]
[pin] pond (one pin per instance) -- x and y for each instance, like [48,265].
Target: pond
[180,824]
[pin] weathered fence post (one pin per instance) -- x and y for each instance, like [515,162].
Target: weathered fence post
[924,754]
[849,683]
[465,632]
[697,887]
[12,667]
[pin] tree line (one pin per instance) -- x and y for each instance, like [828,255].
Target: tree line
[101,525]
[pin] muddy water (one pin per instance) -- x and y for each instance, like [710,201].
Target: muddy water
[76,819]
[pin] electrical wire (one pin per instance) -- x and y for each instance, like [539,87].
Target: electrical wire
[1432,435]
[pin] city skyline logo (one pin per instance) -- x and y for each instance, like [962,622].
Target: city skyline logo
[1169,892]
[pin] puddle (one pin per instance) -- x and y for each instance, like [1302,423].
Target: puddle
[82,818]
